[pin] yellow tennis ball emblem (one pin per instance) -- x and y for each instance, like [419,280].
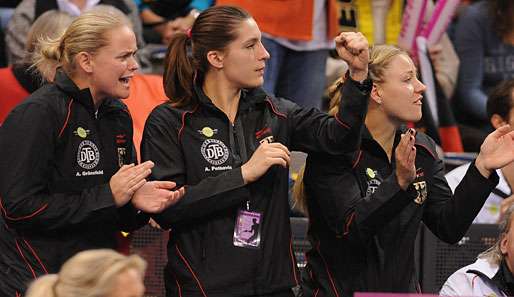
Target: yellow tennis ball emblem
[207,131]
[370,172]
[81,132]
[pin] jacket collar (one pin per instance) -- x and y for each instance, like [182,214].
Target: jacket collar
[483,267]
[367,135]
[249,97]
[28,79]
[82,96]
[504,279]
[368,138]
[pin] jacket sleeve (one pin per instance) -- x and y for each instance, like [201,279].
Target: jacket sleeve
[130,218]
[27,146]
[450,217]
[349,213]
[160,144]
[315,131]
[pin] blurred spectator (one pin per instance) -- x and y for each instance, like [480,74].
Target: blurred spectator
[485,44]
[446,65]
[491,274]
[163,18]
[298,35]
[10,3]
[500,109]
[3,57]
[29,10]
[18,80]
[102,272]
[6,10]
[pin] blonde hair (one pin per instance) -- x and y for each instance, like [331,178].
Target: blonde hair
[87,33]
[50,24]
[494,254]
[89,273]
[380,57]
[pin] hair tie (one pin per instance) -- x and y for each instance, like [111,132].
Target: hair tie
[188,33]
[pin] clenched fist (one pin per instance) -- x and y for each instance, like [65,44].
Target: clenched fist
[353,48]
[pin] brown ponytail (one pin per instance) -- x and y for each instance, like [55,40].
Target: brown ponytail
[178,75]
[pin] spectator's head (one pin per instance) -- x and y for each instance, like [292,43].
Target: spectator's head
[50,25]
[503,249]
[502,14]
[396,91]
[500,104]
[96,51]
[224,41]
[94,273]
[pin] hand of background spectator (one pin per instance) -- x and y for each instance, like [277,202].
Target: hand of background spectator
[496,151]
[127,180]
[156,196]
[405,156]
[180,24]
[353,48]
[436,56]
[170,28]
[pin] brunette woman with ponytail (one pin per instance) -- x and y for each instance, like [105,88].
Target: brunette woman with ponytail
[227,141]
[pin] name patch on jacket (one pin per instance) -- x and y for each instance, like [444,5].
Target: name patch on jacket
[216,153]
[88,157]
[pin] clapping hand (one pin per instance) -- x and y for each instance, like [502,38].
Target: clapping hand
[156,196]
[496,151]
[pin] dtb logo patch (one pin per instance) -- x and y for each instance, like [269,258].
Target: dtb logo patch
[214,151]
[88,155]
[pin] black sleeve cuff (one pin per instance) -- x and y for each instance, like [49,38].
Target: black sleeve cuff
[364,86]
[493,179]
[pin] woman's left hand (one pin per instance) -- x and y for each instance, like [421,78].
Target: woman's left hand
[156,196]
[353,48]
[496,151]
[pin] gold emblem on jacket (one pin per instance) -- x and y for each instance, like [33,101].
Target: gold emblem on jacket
[421,189]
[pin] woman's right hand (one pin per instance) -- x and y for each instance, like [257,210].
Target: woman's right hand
[266,155]
[405,155]
[127,180]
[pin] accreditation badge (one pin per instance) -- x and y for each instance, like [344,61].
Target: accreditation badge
[247,230]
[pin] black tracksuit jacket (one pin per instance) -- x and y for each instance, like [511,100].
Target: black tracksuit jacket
[363,226]
[198,147]
[57,160]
